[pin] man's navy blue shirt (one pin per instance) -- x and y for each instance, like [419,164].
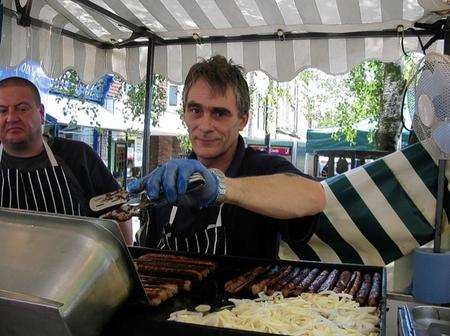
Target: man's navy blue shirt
[248,233]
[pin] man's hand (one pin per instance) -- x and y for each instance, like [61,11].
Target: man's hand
[172,179]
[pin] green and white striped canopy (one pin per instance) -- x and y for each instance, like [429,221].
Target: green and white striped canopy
[378,212]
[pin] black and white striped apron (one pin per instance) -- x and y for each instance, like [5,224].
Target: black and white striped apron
[45,189]
[211,240]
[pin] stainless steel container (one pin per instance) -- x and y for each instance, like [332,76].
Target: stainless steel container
[61,275]
[423,321]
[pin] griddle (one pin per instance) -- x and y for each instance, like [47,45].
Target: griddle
[137,318]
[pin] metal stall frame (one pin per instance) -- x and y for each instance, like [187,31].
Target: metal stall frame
[437,31]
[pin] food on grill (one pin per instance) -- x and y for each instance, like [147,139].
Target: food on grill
[305,283]
[160,270]
[163,275]
[314,287]
[343,281]
[356,284]
[261,285]
[374,295]
[363,292]
[235,285]
[273,282]
[282,283]
[295,281]
[122,213]
[153,280]
[331,280]
[179,259]
[326,313]
[159,293]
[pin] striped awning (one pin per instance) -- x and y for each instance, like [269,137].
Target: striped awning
[380,211]
[173,19]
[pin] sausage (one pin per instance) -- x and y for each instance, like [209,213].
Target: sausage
[363,292]
[152,280]
[330,281]
[179,259]
[287,279]
[318,281]
[204,271]
[305,283]
[374,295]
[283,282]
[294,282]
[356,284]
[170,290]
[156,295]
[344,279]
[236,284]
[310,278]
[262,284]
[149,269]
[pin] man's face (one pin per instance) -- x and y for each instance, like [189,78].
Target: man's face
[20,116]
[213,120]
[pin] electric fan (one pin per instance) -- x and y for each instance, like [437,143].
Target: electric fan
[431,120]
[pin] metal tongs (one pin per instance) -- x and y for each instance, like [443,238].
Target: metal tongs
[122,205]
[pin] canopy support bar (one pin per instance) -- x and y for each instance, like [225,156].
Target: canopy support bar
[134,28]
[41,24]
[146,155]
[291,36]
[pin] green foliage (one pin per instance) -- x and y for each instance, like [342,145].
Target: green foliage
[185,144]
[67,85]
[365,87]
[135,99]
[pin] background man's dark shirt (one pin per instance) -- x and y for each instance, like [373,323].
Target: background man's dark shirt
[248,233]
[87,174]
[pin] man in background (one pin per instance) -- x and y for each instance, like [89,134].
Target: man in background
[42,173]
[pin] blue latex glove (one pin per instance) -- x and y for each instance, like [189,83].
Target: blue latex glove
[172,179]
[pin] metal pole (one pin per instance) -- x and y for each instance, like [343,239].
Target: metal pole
[441,168]
[125,169]
[148,108]
[447,36]
[439,206]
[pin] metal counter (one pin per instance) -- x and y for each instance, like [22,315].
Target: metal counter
[61,275]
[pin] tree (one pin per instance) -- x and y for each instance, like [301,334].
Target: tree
[69,85]
[134,99]
[390,120]
[270,101]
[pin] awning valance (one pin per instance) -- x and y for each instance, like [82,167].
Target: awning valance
[172,19]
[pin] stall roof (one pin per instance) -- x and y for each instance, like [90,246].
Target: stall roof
[331,35]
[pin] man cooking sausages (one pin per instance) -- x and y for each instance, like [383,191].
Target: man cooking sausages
[250,199]
[41,173]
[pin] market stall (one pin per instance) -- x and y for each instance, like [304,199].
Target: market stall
[136,40]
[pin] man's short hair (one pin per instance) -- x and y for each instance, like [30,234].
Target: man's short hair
[220,73]
[19,81]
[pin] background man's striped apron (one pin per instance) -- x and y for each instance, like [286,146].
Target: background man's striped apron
[45,189]
[378,212]
[210,240]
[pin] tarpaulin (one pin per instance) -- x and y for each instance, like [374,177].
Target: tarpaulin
[378,212]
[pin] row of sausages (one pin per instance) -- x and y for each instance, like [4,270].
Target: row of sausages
[293,281]
[164,275]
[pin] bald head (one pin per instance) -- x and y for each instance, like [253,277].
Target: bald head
[22,82]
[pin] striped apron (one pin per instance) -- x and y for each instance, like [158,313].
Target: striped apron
[45,189]
[378,212]
[211,240]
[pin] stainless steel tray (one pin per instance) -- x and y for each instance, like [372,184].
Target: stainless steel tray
[61,275]
[431,320]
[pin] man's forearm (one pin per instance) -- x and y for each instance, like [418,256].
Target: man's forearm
[282,196]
